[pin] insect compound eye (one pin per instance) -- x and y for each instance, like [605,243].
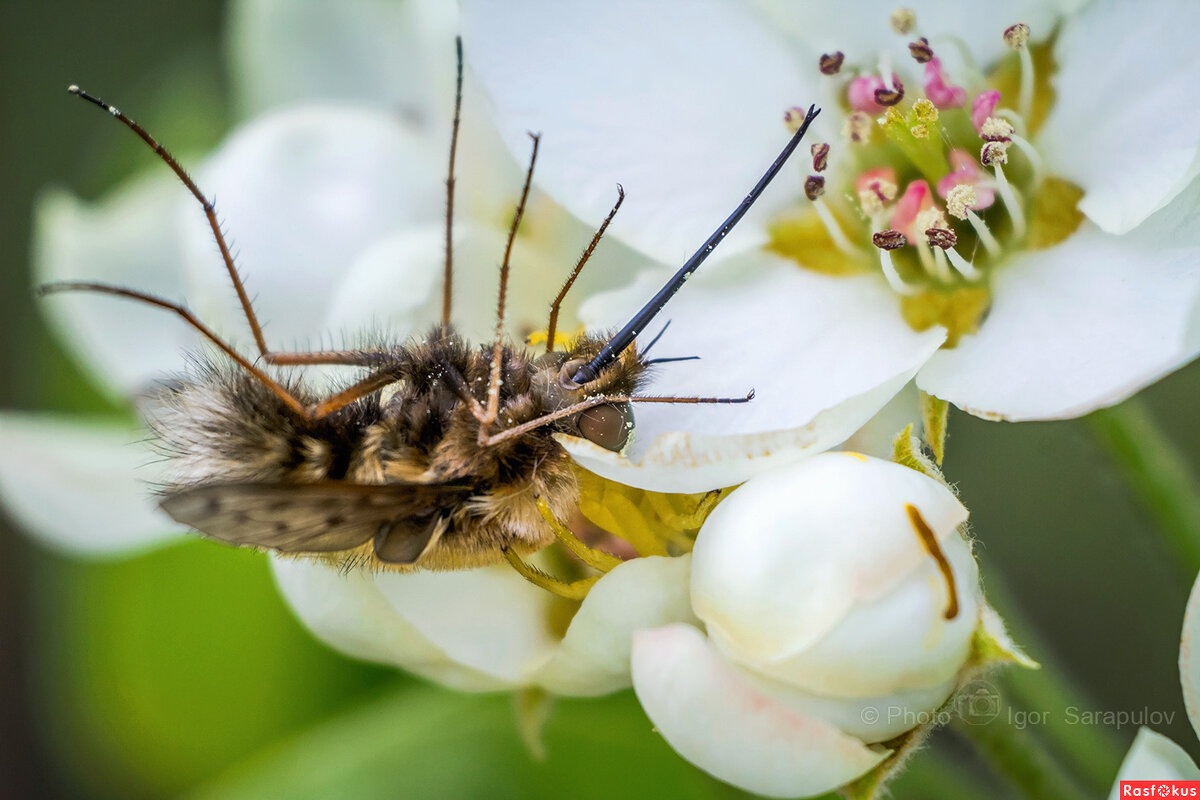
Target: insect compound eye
[607,425]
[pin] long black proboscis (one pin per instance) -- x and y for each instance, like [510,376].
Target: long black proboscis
[627,334]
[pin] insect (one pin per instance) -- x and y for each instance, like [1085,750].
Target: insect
[441,456]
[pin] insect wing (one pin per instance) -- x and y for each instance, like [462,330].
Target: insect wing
[299,518]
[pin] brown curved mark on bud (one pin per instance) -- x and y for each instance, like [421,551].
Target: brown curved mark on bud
[889,239]
[892,96]
[941,237]
[934,549]
[831,63]
[814,186]
[820,156]
[920,50]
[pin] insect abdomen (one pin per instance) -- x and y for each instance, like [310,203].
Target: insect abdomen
[222,426]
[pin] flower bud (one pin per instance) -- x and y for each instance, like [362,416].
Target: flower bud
[833,621]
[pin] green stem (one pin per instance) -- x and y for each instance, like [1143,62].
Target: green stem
[1092,752]
[1017,755]
[1157,473]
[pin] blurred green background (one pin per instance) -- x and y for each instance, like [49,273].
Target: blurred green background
[182,673]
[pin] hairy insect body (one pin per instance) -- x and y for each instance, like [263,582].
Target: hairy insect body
[393,479]
[440,456]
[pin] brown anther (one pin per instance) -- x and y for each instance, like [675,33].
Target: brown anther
[831,63]
[994,154]
[820,156]
[1015,36]
[920,50]
[996,129]
[814,186]
[858,126]
[892,96]
[889,239]
[941,237]
[903,20]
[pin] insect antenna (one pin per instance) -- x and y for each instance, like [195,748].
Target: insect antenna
[624,337]
[493,395]
[447,283]
[555,306]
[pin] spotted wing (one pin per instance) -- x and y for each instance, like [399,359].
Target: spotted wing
[304,518]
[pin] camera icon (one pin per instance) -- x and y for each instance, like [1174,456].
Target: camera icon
[978,703]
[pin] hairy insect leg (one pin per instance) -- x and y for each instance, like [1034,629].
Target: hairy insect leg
[448,280]
[591,402]
[372,383]
[596,559]
[575,590]
[552,325]
[493,396]
[344,358]
[191,319]
[210,210]
[210,213]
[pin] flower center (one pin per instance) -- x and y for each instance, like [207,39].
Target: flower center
[934,183]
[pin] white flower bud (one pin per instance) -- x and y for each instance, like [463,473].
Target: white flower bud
[828,616]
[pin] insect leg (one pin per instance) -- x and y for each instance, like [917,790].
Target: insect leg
[556,305]
[575,590]
[447,282]
[210,212]
[493,398]
[280,392]
[347,358]
[596,559]
[459,384]
[591,402]
[372,383]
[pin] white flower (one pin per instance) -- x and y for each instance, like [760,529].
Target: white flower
[831,626]
[681,101]
[333,200]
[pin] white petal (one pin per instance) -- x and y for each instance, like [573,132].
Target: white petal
[821,27]
[593,658]
[822,354]
[1081,326]
[1189,657]
[1154,757]
[786,557]
[877,436]
[1126,125]
[396,286]
[679,101]
[721,722]
[388,54]
[347,611]
[81,486]
[491,619]
[868,719]
[303,193]
[898,642]
[128,239]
